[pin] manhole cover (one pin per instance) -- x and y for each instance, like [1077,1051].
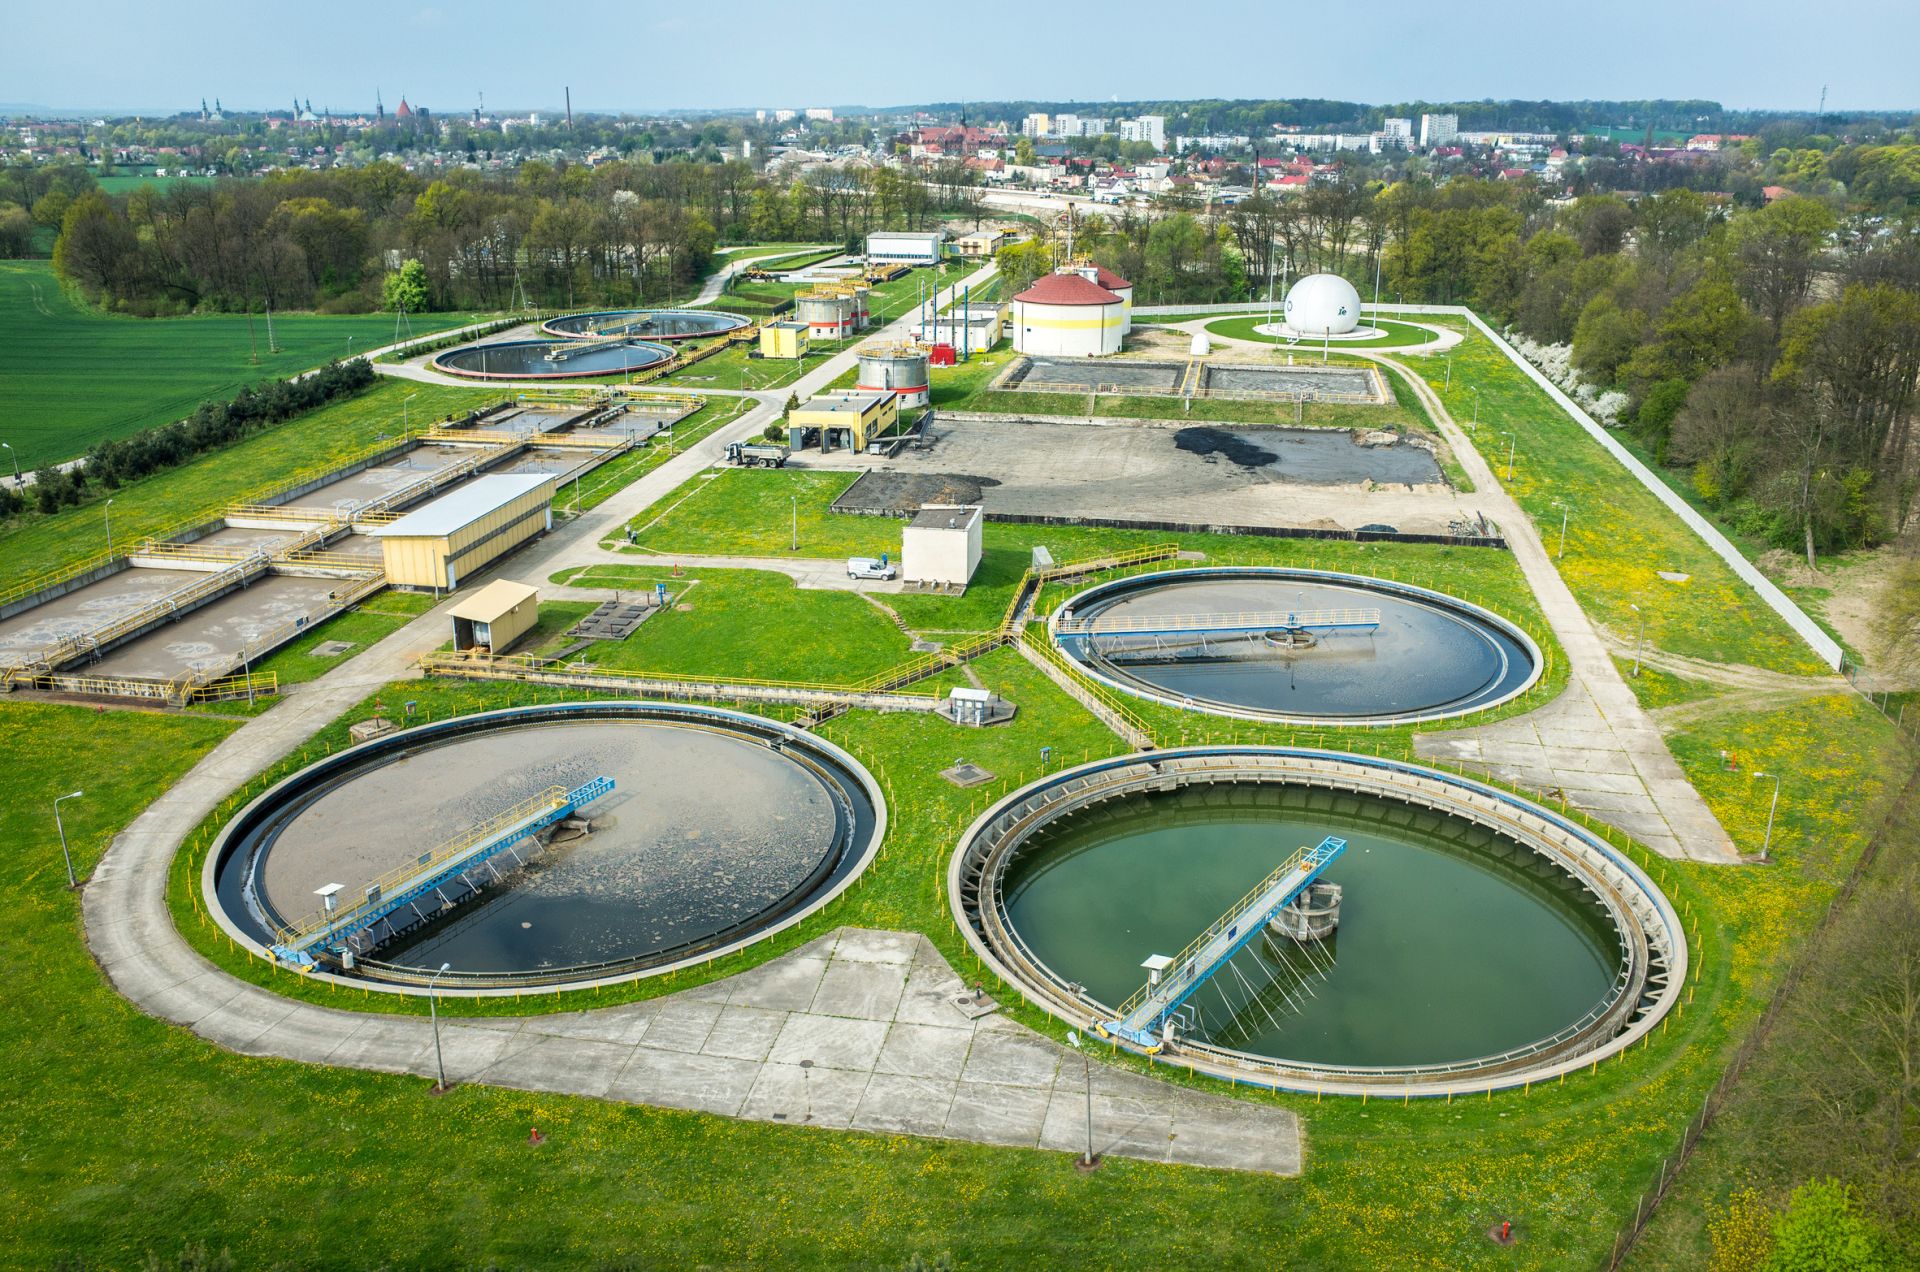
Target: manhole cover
[966,774]
[926,646]
[331,648]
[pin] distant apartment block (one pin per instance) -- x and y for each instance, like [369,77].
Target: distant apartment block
[1438,130]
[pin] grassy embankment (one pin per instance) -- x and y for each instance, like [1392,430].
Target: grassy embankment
[76,376]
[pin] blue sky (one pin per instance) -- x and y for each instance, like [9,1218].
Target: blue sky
[651,55]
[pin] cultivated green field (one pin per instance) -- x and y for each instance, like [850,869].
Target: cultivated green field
[75,376]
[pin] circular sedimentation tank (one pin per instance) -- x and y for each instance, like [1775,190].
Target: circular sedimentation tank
[1481,941]
[1294,645]
[550,359]
[720,828]
[645,324]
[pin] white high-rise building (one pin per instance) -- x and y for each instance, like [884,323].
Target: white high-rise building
[1397,132]
[1148,128]
[1036,125]
[1066,125]
[823,114]
[1438,130]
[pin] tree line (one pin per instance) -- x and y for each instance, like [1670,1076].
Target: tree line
[548,234]
[111,464]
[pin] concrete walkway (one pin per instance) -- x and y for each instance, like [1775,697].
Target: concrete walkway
[1594,744]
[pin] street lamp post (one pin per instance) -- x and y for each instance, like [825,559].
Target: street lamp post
[1772,808]
[433,1010]
[1562,553]
[15,456]
[62,827]
[1510,445]
[1475,390]
[108,510]
[403,409]
[1639,639]
[1086,1072]
[796,525]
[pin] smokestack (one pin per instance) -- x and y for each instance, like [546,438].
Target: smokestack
[569,108]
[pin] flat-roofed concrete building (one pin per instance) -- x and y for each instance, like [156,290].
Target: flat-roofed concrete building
[941,545]
[845,419]
[460,533]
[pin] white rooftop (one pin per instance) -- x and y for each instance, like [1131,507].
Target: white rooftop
[466,505]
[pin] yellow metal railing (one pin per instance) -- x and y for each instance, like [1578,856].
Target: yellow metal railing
[546,801]
[526,665]
[1101,694]
[259,682]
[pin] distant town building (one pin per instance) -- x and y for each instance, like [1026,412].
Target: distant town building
[906,247]
[1148,128]
[1039,124]
[820,114]
[1438,130]
[1397,132]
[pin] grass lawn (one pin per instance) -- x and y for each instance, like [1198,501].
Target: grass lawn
[1619,536]
[33,543]
[1394,334]
[600,485]
[744,623]
[733,369]
[127,180]
[76,376]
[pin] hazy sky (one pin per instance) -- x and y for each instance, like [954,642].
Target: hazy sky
[139,54]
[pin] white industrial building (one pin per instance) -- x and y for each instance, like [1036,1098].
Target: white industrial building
[1069,315]
[905,247]
[941,545]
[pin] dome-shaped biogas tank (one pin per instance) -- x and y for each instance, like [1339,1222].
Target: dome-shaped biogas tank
[1323,304]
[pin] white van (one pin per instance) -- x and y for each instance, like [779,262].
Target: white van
[869,568]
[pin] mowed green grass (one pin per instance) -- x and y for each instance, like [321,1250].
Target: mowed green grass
[74,376]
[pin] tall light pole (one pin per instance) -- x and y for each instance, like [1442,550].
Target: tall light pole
[1510,445]
[108,510]
[62,827]
[403,409]
[1562,553]
[1639,639]
[1086,1072]
[796,525]
[1772,808]
[15,455]
[1473,389]
[433,1010]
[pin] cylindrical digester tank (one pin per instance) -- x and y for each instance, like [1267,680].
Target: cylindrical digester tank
[829,317]
[900,369]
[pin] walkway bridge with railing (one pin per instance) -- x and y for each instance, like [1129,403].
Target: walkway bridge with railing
[1243,622]
[432,871]
[1171,981]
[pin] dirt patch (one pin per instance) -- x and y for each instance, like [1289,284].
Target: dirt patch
[1856,587]
[896,493]
[1232,447]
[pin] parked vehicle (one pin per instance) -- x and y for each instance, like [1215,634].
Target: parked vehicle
[870,568]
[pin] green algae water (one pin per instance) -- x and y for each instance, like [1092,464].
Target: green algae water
[1453,943]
